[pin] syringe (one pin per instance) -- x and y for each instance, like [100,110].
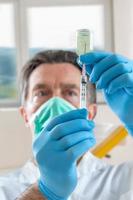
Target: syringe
[84,45]
[83,88]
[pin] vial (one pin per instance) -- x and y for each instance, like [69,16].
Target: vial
[84,41]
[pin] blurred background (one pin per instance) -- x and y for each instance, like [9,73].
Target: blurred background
[28,26]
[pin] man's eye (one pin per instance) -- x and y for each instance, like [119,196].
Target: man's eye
[41,94]
[71,93]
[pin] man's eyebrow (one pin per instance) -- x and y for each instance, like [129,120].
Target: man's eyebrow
[39,86]
[69,85]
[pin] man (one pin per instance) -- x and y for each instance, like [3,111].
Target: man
[50,75]
[62,141]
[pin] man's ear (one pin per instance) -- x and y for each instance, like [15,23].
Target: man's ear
[92,111]
[24,115]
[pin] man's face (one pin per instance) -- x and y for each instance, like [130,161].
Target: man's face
[50,80]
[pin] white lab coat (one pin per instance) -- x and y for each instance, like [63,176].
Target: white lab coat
[97,181]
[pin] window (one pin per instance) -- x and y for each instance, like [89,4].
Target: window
[8,88]
[54,25]
[29,26]
[59,31]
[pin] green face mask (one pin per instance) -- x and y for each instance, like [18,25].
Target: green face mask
[52,108]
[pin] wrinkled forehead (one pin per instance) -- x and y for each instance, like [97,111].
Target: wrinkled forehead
[54,73]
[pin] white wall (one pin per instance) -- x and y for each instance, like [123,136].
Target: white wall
[123,27]
[15,140]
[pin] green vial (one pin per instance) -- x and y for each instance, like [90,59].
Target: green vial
[84,41]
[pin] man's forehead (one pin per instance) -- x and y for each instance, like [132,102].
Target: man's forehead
[48,85]
[61,74]
[56,68]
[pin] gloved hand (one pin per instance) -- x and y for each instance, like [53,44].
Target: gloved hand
[114,75]
[57,149]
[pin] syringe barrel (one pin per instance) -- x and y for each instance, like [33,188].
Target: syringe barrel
[83,92]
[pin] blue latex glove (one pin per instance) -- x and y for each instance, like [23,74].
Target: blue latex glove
[57,149]
[114,75]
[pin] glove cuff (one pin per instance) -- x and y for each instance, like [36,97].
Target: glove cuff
[47,193]
[129,129]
